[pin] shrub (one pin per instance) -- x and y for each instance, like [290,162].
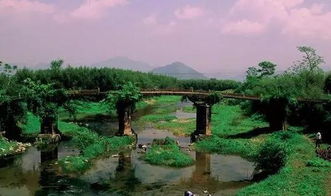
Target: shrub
[273,153]
[166,152]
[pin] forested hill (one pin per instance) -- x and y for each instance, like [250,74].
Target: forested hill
[113,79]
[180,71]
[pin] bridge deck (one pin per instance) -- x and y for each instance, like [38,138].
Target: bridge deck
[187,93]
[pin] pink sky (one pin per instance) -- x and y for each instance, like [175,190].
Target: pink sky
[212,36]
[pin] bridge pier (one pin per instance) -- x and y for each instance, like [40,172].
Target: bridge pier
[124,112]
[203,118]
[277,114]
[49,126]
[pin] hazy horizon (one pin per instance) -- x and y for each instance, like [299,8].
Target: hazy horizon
[210,36]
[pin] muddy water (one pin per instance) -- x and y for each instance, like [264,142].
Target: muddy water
[124,174]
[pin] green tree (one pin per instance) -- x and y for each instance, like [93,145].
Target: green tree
[327,85]
[56,64]
[43,100]
[310,60]
[265,68]
[128,95]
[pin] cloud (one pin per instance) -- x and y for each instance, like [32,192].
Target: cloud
[264,10]
[245,27]
[150,20]
[309,23]
[158,27]
[25,6]
[95,9]
[250,17]
[189,12]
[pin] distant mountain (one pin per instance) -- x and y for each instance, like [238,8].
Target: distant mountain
[124,63]
[179,70]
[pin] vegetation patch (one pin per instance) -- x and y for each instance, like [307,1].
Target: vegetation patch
[243,147]
[167,153]
[31,125]
[11,147]
[91,145]
[83,109]
[229,120]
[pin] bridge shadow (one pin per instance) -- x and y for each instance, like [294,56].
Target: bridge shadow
[250,134]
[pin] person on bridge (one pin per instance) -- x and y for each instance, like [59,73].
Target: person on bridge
[318,139]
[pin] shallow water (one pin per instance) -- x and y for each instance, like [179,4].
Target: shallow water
[32,173]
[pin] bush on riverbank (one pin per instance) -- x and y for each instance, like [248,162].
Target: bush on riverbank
[166,152]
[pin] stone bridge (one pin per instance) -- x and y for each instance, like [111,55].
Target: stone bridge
[200,99]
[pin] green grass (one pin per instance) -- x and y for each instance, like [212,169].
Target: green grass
[165,152]
[244,147]
[167,99]
[229,120]
[91,145]
[32,124]
[85,109]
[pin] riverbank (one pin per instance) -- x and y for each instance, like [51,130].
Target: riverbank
[8,148]
[300,172]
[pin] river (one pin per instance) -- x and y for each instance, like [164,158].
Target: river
[33,173]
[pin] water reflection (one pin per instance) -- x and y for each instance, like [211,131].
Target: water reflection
[133,176]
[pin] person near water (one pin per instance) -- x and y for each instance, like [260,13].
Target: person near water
[188,193]
[318,139]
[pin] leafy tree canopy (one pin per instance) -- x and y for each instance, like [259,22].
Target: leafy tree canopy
[42,99]
[56,64]
[304,79]
[129,94]
[265,68]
